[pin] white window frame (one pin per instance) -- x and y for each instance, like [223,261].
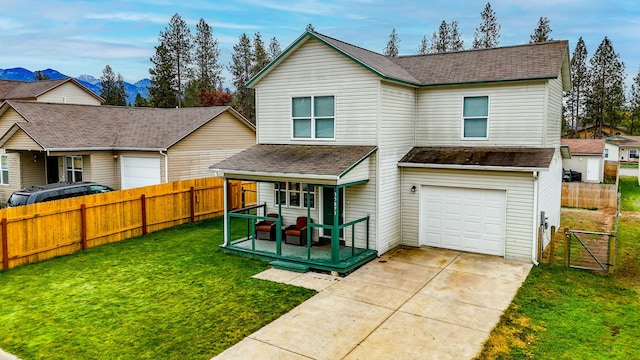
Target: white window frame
[289,191]
[606,153]
[633,153]
[312,117]
[3,170]
[486,137]
[73,169]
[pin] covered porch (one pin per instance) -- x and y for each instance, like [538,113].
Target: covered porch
[303,219]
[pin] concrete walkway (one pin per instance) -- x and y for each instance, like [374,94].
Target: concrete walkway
[6,356]
[411,303]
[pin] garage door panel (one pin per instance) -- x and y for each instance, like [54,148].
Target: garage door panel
[463,219]
[140,171]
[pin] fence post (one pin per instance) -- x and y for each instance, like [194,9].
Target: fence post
[83,225]
[552,244]
[567,243]
[5,245]
[143,203]
[192,208]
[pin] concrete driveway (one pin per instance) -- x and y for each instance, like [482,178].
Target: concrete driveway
[411,303]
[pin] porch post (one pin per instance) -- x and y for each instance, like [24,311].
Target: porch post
[227,231]
[279,223]
[309,232]
[335,233]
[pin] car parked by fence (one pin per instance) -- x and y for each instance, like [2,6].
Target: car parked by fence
[56,191]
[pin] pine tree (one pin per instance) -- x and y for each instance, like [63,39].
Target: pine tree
[113,91]
[455,38]
[260,56]
[488,33]
[606,97]
[310,28]
[274,49]
[206,54]
[576,97]
[140,101]
[163,90]
[178,42]
[40,76]
[541,33]
[442,38]
[241,67]
[634,104]
[392,46]
[423,49]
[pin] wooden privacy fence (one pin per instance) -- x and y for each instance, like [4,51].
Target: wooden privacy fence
[610,171]
[589,196]
[42,231]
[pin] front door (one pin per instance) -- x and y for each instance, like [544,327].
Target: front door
[328,208]
[53,176]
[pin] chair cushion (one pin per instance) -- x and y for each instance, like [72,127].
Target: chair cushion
[263,227]
[293,232]
[301,222]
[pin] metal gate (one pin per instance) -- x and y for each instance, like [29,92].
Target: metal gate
[590,250]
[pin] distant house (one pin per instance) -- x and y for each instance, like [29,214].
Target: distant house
[118,146]
[66,91]
[587,157]
[591,131]
[455,150]
[622,148]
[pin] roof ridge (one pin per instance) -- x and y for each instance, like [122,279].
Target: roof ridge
[483,49]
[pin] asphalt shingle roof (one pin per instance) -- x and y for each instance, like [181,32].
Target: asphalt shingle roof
[539,158]
[21,90]
[584,146]
[68,126]
[331,160]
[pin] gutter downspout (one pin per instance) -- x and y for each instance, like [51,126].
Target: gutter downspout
[534,243]
[166,166]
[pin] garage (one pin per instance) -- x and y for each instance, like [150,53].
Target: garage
[140,171]
[463,219]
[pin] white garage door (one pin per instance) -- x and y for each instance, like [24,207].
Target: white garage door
[140,171]
[463,219]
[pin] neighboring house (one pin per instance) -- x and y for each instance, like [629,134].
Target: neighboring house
[117,146]
[587,157]
[622,148]
[454,150]
[66,91]
[590,132]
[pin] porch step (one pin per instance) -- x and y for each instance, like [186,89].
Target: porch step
[291,266]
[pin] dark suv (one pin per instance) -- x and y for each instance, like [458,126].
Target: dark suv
[56,191]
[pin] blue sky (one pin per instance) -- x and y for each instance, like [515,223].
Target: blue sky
[82,37]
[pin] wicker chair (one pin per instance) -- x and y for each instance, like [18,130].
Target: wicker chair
[266,229]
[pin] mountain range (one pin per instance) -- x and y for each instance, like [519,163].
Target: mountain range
[92,83]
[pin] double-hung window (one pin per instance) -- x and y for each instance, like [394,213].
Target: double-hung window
[475,117]
[294,195]
[313,117]
[73,166]
[4,169]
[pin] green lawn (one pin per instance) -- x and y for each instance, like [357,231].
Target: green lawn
[628,166]
[562,313]
[168,295]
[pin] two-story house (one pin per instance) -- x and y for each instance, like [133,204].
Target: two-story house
[456,150]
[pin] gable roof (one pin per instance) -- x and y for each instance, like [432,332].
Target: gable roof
[626,140]
[536,61]
[66,127]
[22,90]
[584,146]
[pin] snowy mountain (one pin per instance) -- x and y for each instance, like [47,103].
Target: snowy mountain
[92,83]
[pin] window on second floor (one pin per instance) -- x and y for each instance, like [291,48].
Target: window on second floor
[475,117]
[313,117]
[73,165]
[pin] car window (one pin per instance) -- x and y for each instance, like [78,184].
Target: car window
[75,191]
[96,189]
[48,196]
[18,200]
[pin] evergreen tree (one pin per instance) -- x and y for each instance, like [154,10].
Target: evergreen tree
[392,46]
[241,68]
[310,28]
[177,40]
[163,90]
[576,97]
[140,101]
[40,76]
[606,97]
[274,49]
[113,91]
[541,33]
[206,54]
[423,49]
[259,53]
[455,38]
[488,33]
[634,104]
[442,38]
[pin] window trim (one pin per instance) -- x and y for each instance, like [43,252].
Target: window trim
[287,191]
[313,118]
[463,118]
[5,156]
[73,169]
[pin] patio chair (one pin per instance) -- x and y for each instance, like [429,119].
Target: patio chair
[297,234]
[266,229]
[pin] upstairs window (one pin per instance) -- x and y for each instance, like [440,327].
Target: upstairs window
[313,117]
[475,117]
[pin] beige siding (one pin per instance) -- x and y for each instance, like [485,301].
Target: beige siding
[15,182]
[21,141]
[554,112]
[516,115]
[217,140]
[9,118]
[550,194]
[312,70]
[396,134]
[32,172]
[519,188]
[103,169]
[69,93]
[360,202]
[612,154]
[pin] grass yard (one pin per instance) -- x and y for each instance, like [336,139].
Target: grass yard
[629,166]
[562,313]
[169,295]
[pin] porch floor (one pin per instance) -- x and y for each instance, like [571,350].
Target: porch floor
[317,257]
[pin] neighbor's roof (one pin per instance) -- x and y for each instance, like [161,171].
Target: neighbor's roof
[626,140]
[295,160]
[22,90]
[535,61]
[584,146]
[481,158]
[63,127]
